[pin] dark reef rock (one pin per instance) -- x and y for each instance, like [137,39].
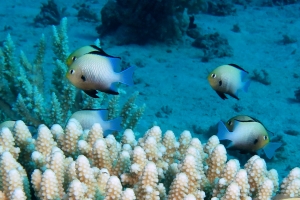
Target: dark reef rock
[50,14]
[297,95]
[193,33]
[213,46]
[86,14]
[220,8]
[278,2]
[195,6]
[138,21]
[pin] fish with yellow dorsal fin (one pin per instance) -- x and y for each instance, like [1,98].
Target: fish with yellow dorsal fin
[247,134]
[96,71]
[228,79]
[82,51]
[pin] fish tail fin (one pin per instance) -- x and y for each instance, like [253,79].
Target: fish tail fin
[223,133]
[126,76]
[270,148]
[115,124]
[246,85]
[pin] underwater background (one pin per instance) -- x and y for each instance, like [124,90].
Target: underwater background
[174,55]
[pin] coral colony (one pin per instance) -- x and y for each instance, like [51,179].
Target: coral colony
[60,160]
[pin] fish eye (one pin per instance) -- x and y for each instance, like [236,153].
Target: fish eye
[72,71]
[213,75]
[265,137]
[74,58]
[229,123]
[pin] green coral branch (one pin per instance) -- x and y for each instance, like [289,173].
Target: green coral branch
[60,40]
[56,113]
[21,108]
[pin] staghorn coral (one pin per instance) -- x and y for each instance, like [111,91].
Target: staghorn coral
[62,174]
[26,94]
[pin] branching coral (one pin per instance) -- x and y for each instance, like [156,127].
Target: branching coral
[26,94]
[61,171]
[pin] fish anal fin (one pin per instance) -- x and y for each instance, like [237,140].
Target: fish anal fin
[91,93]
[222,95]
[110,91]
[234,96]
[113,89]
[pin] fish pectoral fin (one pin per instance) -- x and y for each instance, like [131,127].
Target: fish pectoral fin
[222,95]
[243,152]
[252,153]
[270,148]
[91,93]
[230,144]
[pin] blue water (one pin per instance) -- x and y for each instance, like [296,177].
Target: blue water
[171,72]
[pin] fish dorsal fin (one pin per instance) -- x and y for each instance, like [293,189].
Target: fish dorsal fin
[255,120]
[95,47]
[100,52]
[270,148]
[238,67]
